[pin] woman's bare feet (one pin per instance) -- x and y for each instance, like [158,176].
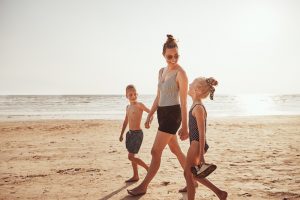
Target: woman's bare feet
[137,191]
[222,195]
[132,179]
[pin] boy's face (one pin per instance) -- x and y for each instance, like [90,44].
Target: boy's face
[131,95]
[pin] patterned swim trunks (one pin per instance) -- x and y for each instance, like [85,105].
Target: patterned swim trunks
[134,141]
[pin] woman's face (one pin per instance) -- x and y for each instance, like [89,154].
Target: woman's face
[171,56]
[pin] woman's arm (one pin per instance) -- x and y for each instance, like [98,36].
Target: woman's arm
[183,88]
[199,114]
[154,105]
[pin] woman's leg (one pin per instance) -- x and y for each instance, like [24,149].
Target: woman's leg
[160,142]
[175,149]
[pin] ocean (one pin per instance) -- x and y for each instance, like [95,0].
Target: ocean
[32,107]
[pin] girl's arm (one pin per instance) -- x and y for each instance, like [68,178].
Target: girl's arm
[183,88]
[199,114]
[124,127]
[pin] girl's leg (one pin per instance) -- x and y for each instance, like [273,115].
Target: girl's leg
[191,160]
[138,161]
[220,193]
[160,142]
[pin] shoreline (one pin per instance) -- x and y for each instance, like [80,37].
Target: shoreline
[37,119]
[257,158]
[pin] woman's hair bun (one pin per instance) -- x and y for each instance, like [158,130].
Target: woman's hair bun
[170,37]
[170,43]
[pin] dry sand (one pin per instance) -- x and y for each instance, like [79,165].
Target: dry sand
[257,158]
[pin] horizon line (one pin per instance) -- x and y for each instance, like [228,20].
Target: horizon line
[141,94]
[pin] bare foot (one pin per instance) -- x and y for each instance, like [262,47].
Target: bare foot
[137,191]
[185,188]
[132,179]
[222,195]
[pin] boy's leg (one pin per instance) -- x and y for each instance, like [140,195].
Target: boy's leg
[137,161]
[135,176]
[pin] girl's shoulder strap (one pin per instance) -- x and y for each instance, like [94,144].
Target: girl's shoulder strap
[199,105]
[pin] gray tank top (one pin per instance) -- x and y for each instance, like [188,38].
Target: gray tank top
[168,90]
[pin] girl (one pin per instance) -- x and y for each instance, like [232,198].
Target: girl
[199,89]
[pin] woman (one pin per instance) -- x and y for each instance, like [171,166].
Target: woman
[171,106]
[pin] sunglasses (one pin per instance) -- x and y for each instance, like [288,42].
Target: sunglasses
[170,57]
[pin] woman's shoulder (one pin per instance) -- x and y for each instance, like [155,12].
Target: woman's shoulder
[181,70]
[181,73]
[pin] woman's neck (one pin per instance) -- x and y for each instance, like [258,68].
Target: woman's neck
[172,67]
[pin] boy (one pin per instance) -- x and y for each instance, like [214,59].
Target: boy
[134,136]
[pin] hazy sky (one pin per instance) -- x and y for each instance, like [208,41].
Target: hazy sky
[98,47]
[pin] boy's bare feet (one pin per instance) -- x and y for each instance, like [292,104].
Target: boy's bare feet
[222,195]
[132,179]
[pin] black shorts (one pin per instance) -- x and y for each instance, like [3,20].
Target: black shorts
[134,141]
[169,118]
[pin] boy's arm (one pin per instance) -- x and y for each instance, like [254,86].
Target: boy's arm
[152,111]
[144,108]
[154,105]
[199,114]
[123,127]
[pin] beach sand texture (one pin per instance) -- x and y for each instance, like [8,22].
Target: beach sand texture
[257,158]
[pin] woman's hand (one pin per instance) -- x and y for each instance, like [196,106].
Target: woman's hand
[183,134]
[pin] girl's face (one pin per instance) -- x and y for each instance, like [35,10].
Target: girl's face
[192,89]
[171,56]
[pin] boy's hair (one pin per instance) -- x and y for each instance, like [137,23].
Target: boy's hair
[206,85]
[130,87]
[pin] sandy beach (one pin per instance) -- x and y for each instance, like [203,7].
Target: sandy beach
[257,158]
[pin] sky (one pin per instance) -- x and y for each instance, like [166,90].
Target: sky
[98,47]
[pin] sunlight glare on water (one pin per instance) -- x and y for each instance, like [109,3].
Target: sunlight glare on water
[255,104]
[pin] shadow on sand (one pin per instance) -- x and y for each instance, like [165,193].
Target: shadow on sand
[119,190]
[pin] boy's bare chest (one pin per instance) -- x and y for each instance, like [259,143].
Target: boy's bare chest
[134,110]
